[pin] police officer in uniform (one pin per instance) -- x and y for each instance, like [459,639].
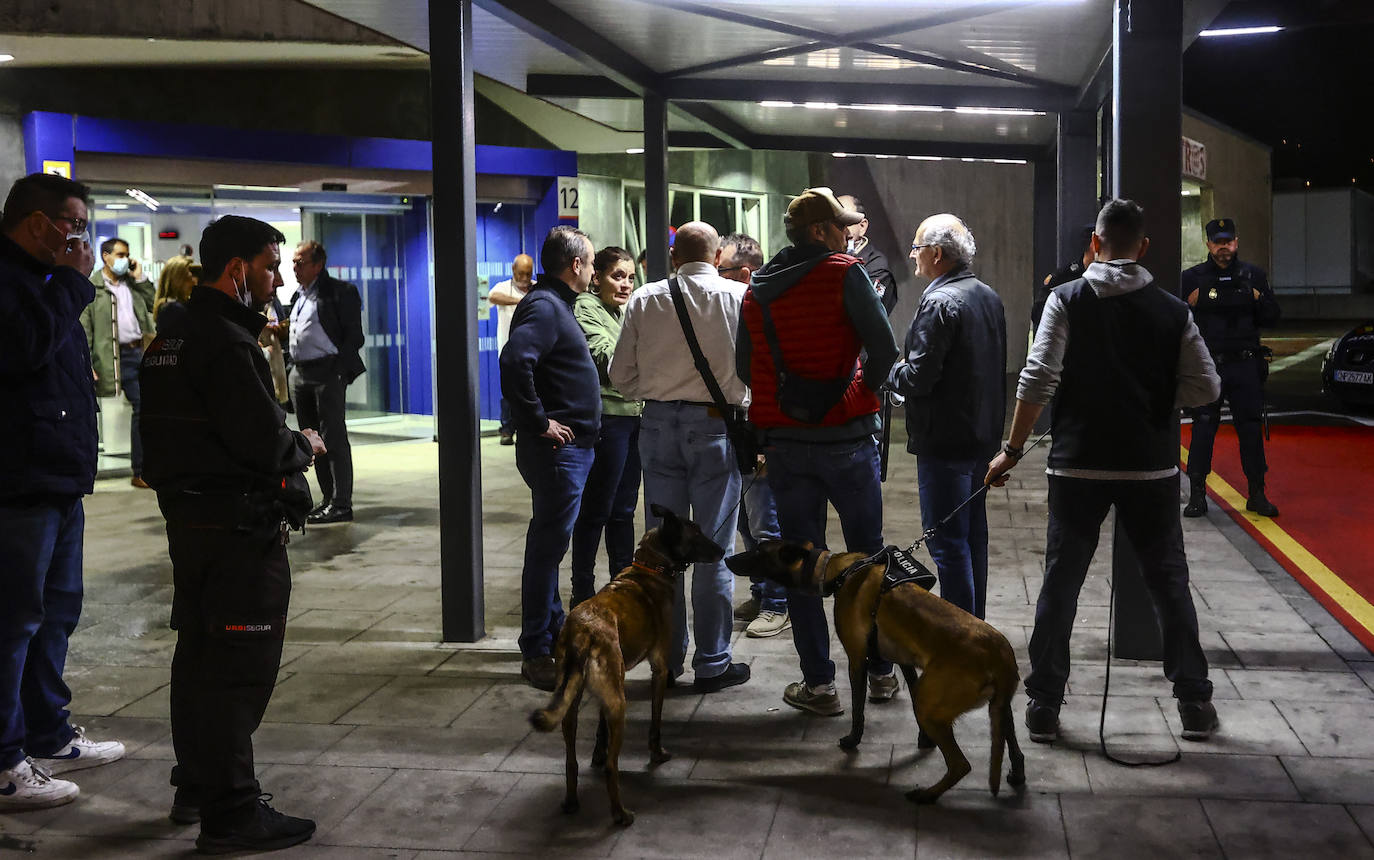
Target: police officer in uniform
[1231,300]
[1072,272]
[230,481]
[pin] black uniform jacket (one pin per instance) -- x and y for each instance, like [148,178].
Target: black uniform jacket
[341,316]
[1071,272]
[210,419]
[875,263]
[1228,315]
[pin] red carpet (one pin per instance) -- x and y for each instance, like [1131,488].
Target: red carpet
[1322,480]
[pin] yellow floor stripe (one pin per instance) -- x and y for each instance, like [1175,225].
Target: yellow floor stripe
[1336,588]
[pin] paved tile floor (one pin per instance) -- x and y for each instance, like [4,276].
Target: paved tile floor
[402,747]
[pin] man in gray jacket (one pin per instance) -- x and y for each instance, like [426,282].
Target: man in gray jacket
[1122,356]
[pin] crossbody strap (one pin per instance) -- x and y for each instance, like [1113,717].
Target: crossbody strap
[770,334]
[703,366]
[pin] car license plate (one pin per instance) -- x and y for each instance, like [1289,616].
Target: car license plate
[1362,377]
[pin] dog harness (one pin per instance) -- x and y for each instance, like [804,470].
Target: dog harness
[899,568]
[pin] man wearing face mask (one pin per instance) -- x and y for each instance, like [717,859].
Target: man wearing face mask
[47,431]
[230,481]
[118,325]
[326,336]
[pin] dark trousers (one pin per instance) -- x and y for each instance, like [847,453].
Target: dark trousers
[556,477]
[1149,515]
[229,610]
[40,604]
[609,502]
[130,357]
[318,392]
[507,426]
[805,477]
[960,546]
[1242,385]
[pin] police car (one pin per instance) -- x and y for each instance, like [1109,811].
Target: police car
[1348,371]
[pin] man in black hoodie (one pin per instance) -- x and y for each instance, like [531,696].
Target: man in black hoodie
[554,393]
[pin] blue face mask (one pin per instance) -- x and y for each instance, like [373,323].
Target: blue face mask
[120,266]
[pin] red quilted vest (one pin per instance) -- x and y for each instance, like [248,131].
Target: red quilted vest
[816,339]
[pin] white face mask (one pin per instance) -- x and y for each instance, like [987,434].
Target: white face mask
[245,297]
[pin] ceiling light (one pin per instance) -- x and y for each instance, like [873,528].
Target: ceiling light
[635,150]
[893,108]
[772,104]
[839,155]
[998,111]
[116,206]
[925,158]
[143,198]
[1241,31]
[5,58]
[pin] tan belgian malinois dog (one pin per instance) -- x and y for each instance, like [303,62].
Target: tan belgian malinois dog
[628,621]
[964,661]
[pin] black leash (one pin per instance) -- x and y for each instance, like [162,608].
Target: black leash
[1106,685]
[885,440]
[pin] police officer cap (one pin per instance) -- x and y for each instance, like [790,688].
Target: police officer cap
[1221,230]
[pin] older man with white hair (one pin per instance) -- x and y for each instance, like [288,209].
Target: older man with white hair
[954,381]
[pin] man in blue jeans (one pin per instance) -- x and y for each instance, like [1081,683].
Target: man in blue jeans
[811,310]
[954,382]
[47,430]
[551,384]
[688,461]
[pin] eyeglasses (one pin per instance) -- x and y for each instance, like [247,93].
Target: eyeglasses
[79,225]
[916,247]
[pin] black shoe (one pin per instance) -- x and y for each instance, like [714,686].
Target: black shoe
[1042,722]
[185,807]
[507,438]
[322,506]
[541,672]
[735,673]
[331,514]
[1258,504]
[1199,720]
[265,829]
[1197,503]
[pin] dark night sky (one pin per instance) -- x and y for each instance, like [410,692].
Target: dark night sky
[1308,91]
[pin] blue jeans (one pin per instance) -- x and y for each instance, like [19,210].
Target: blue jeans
[690,469]
[1148,513]
[804,477]
[129,360]
[608,503]
[758,521]
[40,580]
[960,547]
[555,476]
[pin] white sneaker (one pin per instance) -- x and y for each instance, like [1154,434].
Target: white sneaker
[80,753]
[25,786]
[768,624]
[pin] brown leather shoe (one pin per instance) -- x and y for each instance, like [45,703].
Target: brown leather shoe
[137,481]
[541,672]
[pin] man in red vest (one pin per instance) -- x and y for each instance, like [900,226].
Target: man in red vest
[807,316]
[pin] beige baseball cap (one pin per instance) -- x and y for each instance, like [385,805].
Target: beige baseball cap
[819,204]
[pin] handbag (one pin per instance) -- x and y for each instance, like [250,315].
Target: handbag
[802,398]
[744,439]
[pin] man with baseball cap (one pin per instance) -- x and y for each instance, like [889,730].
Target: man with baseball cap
[1231,300]
[806,317]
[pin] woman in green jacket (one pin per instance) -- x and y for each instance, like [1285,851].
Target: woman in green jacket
[612,492]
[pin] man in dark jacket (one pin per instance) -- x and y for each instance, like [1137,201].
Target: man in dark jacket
[229,477]
[858,244]
[554,392]
[1231,301]
[954,382]
[1120,355]
[47,431]
[820,446]
[325,334]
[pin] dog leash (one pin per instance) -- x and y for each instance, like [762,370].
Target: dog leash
[930,532]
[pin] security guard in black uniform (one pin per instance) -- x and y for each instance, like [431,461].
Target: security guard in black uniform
[1231,300]
[230,480]
[1072,272]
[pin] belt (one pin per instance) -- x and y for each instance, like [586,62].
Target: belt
[1237,355]
[133,344]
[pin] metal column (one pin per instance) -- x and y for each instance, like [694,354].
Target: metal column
[1147,80]
[455,295]
[1076,163]
[656,184]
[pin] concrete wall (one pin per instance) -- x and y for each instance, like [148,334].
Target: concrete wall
[11,152]
[1239,182]
[995,200]
[178,19]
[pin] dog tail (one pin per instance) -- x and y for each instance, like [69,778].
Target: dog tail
[569,689]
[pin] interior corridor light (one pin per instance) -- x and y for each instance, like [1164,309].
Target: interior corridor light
[5,58]
[930,158]
[143,198]
[635,150]
[891,108]
[1241,31]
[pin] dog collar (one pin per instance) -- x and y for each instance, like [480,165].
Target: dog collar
[665,569]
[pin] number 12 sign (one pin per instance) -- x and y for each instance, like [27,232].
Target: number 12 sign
[567,198]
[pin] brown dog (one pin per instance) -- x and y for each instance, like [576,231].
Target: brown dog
[964,661]
[629,620]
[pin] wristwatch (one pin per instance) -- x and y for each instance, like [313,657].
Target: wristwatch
[1014,453]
